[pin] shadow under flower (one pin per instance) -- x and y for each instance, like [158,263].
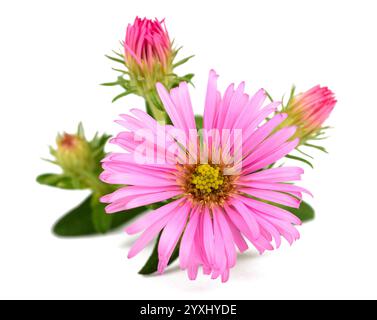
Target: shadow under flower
[241,269]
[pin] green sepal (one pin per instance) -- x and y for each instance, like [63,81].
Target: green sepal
[316,147]
[114,59]
[186,78]
[60,181]
[180,62]
[79,221]
[304,153]
[289,156]
[199,122]
[269,96]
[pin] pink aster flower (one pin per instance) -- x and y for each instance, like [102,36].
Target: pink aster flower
[213,205]
[309,110]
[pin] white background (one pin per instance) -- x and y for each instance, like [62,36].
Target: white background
[51,64]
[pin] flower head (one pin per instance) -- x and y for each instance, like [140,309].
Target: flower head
[215,182]
[73,153]
[149,58]
[80,161]
[147,49]
[309,110]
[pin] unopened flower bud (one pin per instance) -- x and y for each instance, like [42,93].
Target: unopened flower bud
[149,59]
[308,111]
[74,154]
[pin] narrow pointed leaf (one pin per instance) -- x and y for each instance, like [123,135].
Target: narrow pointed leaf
[110,84]
[269,96]
[120,70]
[118,54]
[115,59]
[80,130]
[304,153]
[299,159]
[316,147]
[122,95]
[182,61]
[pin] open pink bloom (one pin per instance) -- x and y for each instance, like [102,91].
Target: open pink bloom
[309,110]
[147,46]
[213,205]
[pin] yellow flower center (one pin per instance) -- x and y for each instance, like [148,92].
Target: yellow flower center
[207,179]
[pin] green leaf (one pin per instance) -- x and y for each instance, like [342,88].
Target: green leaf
[98,142]
[316,147]
[60,181]
[121,95]
[199,122]
[152,262]
[292,94]
[80,130]
[115,59]
[79,222]
[182,61]
[304,213]
[289,156]
[101,220]
[269,96]
[119,54]
[109,84]
[188,77]
[304,153]
[120,70]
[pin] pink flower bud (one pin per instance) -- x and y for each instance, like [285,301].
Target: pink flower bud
[73,153]
[148,48]
[309,110]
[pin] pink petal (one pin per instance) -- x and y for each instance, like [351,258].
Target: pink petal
[237,236]
[227,237]
[251,142]
[270,145]
[170,236]
[152,217]
[187,241]
[239,222]
[273,157]
[269,228]
[149,234]
[281,174]
[273,196]
[170,107]
[211,101]
[270,210]
[135,191]
[142,200]
[220,257]
[283,187]
[208,237]
[248,216]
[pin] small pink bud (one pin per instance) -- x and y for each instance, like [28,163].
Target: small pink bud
[148,48]
[73,153]
[309,110]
